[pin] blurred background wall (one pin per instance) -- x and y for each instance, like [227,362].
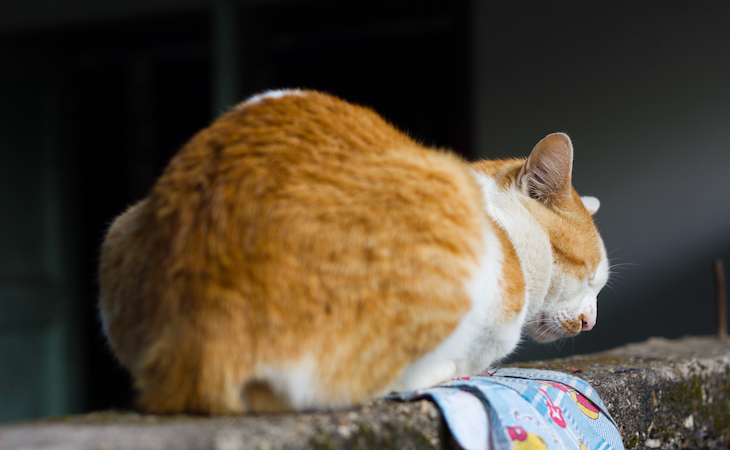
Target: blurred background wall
[95,97]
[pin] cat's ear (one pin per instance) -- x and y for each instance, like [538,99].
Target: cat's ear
[591,203]
[546,176]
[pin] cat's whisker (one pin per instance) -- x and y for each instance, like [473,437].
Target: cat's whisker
[617,267]
[627,264]
[617,275]
[545,332]
[614,278]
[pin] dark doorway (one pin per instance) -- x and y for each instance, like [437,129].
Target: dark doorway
[134,91]
[138,90]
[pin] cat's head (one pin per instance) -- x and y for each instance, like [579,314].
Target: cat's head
[579,263]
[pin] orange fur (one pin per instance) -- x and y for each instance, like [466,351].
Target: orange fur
[504,171]
[573,235]
[300,230]
[572,232]
[512,281]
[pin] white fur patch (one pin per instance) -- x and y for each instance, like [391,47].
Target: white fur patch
[479,339]
[530,241]
[591,203]
[297,384]
[492,338]
[273,94]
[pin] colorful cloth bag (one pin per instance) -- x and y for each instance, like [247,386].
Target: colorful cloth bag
[523,409]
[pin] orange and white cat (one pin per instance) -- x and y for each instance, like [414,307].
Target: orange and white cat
[301,253]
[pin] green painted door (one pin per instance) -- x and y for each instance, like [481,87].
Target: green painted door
[39,357]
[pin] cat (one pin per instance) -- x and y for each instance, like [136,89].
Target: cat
[301,253]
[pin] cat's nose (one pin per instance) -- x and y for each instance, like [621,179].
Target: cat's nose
[587,323]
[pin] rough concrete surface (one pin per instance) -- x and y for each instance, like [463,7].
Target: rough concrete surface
[666,394]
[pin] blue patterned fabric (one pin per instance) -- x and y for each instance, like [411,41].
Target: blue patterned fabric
[523,409]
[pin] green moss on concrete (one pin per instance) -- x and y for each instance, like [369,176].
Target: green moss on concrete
[632,441]
[322,442]
[706,398]
[366,438]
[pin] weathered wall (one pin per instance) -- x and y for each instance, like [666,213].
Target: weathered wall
[664,394]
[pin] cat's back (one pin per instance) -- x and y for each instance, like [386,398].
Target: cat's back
[298,163]
[296,231]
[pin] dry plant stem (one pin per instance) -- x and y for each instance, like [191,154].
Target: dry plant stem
[721,299]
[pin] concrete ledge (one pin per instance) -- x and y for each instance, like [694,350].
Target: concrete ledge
[664,394]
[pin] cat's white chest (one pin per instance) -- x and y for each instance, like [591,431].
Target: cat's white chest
[482,336]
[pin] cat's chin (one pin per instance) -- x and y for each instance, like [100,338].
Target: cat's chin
[545,333]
